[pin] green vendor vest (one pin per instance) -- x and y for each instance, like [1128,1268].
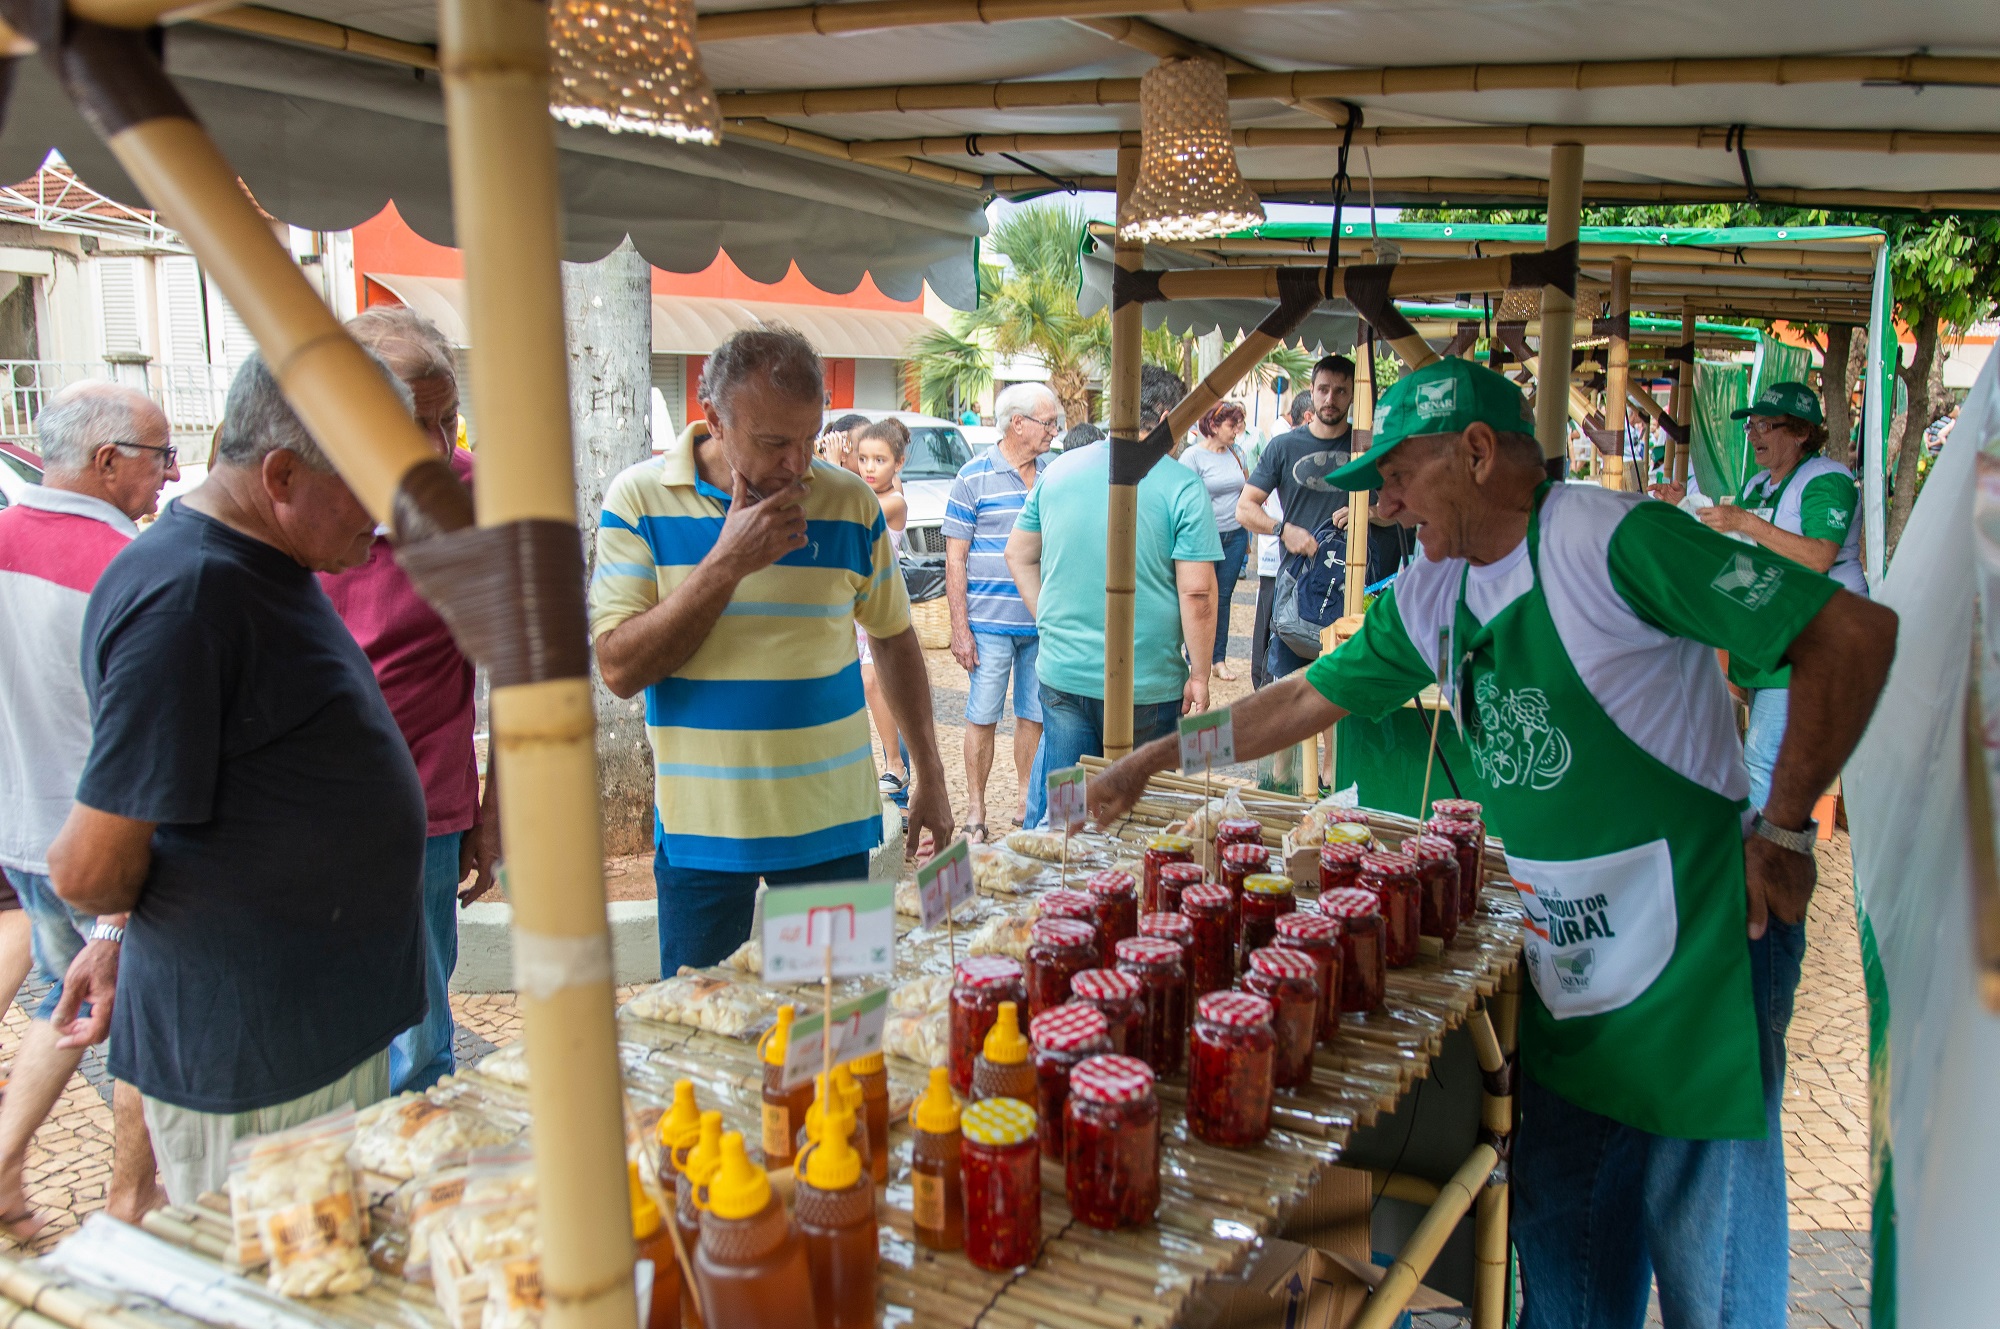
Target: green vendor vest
[1631,876]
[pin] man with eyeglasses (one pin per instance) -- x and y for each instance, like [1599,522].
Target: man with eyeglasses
[105,458]
[992,629]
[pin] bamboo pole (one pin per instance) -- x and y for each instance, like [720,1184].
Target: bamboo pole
[1354,588]
[819,145]
[1402,1186]
[504,191]
[1121,525]
[1392,1294]
[297,28]
[1552,387]
[1617,373]
[1444,277]
[874,15]
[1859,261]
[1677,457]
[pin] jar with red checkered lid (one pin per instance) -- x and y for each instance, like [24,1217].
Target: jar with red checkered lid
[1236,865]
[1064,1038]
[1157,965]
[1317,936]
[1111,1169]
[1122,1001]
[1339,864]
[1160,851]
[1289,981]
[1466,810]
[1212,956]
[1231,1068]
[1364,960]
[1437,884]
[1058,950]
[1393,879]
[1175,878]
[1469,839]
[1064,903]
[1114,906]
[980,985]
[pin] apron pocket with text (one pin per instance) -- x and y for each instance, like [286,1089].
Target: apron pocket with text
[1600,929]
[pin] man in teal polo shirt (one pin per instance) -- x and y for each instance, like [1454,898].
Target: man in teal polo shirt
[1577,627]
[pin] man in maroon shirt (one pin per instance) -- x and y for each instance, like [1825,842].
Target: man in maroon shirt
[428,684]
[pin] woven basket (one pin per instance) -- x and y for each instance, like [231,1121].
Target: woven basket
[933,623]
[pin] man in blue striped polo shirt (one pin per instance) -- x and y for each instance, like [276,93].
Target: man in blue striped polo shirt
[731,572]
[992,629]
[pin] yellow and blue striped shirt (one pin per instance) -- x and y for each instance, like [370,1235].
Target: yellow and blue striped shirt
[762,751]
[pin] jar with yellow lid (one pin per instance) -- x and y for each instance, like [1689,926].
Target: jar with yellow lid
[1266,896]
[1160,851]
[1003,1183]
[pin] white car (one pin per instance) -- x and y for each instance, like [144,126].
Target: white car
[19,468]
[937,450]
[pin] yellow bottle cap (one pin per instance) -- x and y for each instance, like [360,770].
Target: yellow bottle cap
[739,1189]
[937,1111]
[707,1153]
[1347,832]
[680,1128]
[833,1164]
[1267,883]
[998,1121]
[872,1064]
[777,1038]
[1004,1044]
[848,1088]
[815,1109]
[645,1214]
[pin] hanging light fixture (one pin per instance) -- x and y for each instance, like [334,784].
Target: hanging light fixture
[631,65]
[1188,183]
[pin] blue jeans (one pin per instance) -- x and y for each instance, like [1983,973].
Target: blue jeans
[1281,661]
[1601,1208]
[422,1055]
[705,914]
[57,937]
[1769,708]
[1002,654]
[1235,547]
[1073,725]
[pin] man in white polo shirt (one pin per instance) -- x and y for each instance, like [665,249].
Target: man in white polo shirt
[106,456]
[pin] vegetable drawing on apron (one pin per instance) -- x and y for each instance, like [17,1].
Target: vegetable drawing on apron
[1632,879]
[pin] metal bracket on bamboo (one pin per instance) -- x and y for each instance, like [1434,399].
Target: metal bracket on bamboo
[1614,325]
[1683,352]
[1675,431]
[512,596]
[1462,340]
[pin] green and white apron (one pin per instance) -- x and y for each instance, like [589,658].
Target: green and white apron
[1632,878]
[1784,509]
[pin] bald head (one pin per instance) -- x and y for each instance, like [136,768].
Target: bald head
[106,440]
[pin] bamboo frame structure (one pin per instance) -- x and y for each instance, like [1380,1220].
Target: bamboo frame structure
[1495,1031]
[1122,519]
[1617,373]
[1455,1197]
[1143,35]
[504,187]
[1677,458]
[1354,586]
[837,149]
[1552,390]
[296,28]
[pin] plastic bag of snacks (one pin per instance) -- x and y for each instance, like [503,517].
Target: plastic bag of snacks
[293,1202]
[407,1136]
[470,1239]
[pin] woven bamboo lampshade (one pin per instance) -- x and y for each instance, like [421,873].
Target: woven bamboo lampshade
[631,65]
[1188,183]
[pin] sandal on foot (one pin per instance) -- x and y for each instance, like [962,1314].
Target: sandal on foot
[975,832]
[23,1225]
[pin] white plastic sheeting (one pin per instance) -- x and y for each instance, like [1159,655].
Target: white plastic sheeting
[1906,794]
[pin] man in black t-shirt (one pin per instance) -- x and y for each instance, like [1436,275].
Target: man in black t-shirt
[249,798]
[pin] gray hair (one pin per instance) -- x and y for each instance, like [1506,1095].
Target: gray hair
[83,417]
[1020,399]
[779,354]
[256,418]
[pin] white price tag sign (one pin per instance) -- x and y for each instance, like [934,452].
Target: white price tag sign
[944,883]
[1208,740]
[1069,809]
[856,918]
[857,1031]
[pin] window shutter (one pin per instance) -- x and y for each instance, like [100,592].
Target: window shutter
[229,340]
[118,301]
[184,319]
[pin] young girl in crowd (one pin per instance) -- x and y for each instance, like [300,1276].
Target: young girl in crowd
[878,450]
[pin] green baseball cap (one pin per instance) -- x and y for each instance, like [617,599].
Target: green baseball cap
[1793,399]
[1443,397]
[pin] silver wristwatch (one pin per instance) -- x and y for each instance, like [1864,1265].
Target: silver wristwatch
[107,932]
[1799,841]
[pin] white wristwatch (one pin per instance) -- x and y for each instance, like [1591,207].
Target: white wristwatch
[107,932]
[1799,841]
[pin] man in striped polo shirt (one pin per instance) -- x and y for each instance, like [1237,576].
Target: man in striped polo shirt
[731,572]
[992,630]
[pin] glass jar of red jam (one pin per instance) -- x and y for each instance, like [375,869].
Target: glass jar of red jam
[1063,903]
[1063,1037]
[1364,961]
[1437,884]
[1114,903]
[1239,863]
[1058,950]
[1236,830]
[1111,1174]
[1393,879]
[1174,926]
[1157,964]
[1466,809]
[1122,1002]
[1231,1063]
[1160,851]
[1212,954]
[981,984]
[1317,936]
[1002,1165]
[1266,897]
[1469,839]
[1339,864]
[1174,879]
[1289,981]
[1349,817]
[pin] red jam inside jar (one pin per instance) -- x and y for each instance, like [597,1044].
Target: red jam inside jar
[1266,898]
[1175,878]
[1001,1161]
[1393,879]
[1058,950]
[1232,1060]
[1240,862]
[1466,809]
[1469,839]
[1160,851]
[1288,980]
[1120,1000]
[1318,936]
[1339,865]
[1157,965]
[1067,904]
[1111,1174]
[1364,961]
[980,985]
[1063,1038]
[1437,884]
[1212,954]
[1114,903]
[1236,830]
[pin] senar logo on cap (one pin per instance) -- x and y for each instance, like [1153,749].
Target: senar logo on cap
[1443,397]
[1437,401]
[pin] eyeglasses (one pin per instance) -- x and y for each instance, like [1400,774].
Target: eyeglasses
[168,454]
[1761,424]
[1049,425]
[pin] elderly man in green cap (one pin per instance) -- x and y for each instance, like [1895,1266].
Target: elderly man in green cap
[1575,631]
